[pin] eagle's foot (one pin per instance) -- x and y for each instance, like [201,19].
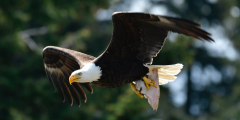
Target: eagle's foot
[149,82]
[136,90]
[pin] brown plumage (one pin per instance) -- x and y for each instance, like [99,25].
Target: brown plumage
[137,38]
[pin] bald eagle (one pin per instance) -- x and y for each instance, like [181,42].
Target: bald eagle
[136,39]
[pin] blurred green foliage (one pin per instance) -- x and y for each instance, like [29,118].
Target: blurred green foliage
[25,93]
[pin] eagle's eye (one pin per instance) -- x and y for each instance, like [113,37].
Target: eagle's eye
[80,74]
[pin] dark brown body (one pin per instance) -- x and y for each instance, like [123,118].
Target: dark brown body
[120,73]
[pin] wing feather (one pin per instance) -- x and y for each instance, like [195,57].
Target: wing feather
[143,35]
[57,84]
[72,89]
[74,94]
[66,92]
[88,86]
[49,78]
[80,91]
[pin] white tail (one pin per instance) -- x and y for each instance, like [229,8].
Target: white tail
[166,73]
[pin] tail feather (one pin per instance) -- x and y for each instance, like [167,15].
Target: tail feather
[166,76]
[175,72]
[170,69]
[166,73]
[164,81]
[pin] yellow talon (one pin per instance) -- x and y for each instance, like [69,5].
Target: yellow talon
[136,90]
[149,82]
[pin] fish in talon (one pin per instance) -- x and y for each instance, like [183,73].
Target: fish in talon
[160,74]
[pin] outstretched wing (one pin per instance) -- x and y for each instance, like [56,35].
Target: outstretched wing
[59,63]
[142,35]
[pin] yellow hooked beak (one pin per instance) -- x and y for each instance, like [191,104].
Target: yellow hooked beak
[73,78]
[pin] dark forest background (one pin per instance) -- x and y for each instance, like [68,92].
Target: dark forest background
[207,89]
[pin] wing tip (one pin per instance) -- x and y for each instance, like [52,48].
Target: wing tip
[186,27]
[115,13]
[206,37]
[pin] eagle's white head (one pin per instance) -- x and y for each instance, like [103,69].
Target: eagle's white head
[89,73]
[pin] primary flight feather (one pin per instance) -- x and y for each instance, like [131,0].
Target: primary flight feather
[136,39]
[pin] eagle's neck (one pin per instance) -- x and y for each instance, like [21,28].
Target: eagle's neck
[90,72]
